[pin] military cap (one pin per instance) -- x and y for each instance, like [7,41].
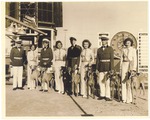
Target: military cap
[12,41]
[46,40]
[72,38]
[18,40]
[104,37]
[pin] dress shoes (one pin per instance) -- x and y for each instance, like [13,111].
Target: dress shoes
[14,88]
[56,90]
[100,98]
[45,90]
[79,94]
[108,99]
[21,88]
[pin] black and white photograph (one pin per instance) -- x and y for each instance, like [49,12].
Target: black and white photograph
[75,59]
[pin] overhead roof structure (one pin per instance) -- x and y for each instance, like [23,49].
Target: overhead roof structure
[25,25]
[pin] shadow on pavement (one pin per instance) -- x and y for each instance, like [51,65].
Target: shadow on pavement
[85,114]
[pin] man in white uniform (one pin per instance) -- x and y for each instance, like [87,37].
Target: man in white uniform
[104,64]
[17,57]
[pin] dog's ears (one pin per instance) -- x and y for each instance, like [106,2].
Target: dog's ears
[138,74]
[119,75]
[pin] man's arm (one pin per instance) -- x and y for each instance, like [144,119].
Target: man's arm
[51,55]
[67,57]
[12,55]
[24,57]
[78,59]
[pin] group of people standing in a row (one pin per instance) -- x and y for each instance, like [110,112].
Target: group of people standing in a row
[76,57]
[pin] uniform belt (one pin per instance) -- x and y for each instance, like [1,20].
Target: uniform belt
[85,61]
[105,60]
[32,60]
[18,58]
[73,58]
[125,60]
[45,58]
[58,60]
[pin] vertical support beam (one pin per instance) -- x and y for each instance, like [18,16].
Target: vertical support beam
[52,39]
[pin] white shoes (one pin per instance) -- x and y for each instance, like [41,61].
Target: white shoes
[60,92]
[84,96]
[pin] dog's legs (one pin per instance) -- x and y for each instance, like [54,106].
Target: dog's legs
[143,87]
[118,89]
[140,89]
[48,87]
[134,88]
[111,89]
[52,85]
[36,83]
[76,89]
[42,85]
[113,86]
[132,91]
[73,87]
[92,91]
[87,90]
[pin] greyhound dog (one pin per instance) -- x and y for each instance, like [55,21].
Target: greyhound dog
[75,81]
[35,76]
[90,77]
[115,83]
[47,77]
[137,81]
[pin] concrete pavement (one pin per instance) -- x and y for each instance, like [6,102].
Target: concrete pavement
[33,103]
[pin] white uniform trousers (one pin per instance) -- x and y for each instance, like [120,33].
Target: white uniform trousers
[83,81]
[11,70]
[59,85]
[104,85]
[126,91]
[17,76]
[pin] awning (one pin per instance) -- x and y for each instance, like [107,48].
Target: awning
[25,25]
